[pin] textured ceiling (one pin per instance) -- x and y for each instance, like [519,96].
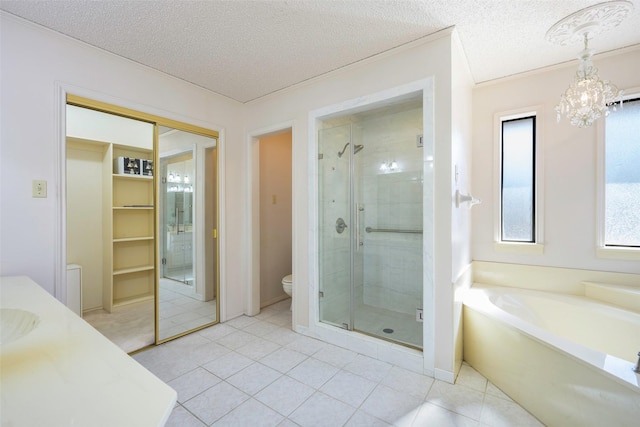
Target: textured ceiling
[247,49]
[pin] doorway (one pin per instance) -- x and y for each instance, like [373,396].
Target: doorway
[275,215]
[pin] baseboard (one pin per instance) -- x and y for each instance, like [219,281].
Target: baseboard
[446,376]
[273,301]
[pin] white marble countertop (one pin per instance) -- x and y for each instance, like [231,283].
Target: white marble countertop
[65,373]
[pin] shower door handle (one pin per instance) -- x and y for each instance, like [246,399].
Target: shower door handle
[359,242]
[178,221]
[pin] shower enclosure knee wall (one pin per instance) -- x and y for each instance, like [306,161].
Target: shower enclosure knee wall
[370,222]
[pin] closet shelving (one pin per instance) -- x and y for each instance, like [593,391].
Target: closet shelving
[132,235]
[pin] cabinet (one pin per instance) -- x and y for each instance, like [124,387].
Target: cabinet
[131,240]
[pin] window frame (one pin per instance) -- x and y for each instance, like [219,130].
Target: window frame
[603,250]
[500,245]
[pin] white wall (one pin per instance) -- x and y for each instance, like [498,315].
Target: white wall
[36,66]
[461,177]
[569,156]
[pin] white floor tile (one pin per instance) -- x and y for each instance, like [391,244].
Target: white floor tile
[227,365]
[241,322]
[260,328]
[284,395]
[301,381]
[431,415]
[457,398]
[215,402]
[498,412]
[250,413]
[282,319]
[313,372]
[348,388]
[495,391]
[168,369]
[405,381]
[471,378]
[266,312]
[390,405]
[321,410]
[335,355]
[214,333]
[205,353]
[253,378]
[372,369]
[236,339]
[258,348]
[180,417]
[282,336]
[283,359]
[306,345]
[362,419]
[193,383]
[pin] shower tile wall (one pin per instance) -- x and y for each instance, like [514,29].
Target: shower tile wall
[393,199]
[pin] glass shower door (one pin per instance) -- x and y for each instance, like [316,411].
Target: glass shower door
[177,259]
[334,228]
[370,202]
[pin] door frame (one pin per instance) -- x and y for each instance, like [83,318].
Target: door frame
[253,221]
[137,111]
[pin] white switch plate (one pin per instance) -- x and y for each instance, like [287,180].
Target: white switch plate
[39,188]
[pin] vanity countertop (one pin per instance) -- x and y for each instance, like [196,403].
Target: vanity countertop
[65,373]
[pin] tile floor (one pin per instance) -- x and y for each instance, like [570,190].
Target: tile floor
[130,326]
[255,371]
[181,310]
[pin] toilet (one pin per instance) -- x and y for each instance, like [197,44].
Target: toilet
[287,281]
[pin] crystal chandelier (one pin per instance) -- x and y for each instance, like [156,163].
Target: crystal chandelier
[588,97]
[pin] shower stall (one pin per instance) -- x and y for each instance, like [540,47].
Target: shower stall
[370,189]
[177,217]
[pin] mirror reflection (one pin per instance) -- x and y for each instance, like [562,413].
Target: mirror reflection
[109,224]
[187,288]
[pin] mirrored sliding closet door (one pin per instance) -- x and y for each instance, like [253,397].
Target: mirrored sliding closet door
[187,291]
[141,222]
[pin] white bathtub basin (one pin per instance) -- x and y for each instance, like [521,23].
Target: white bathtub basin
[16,323]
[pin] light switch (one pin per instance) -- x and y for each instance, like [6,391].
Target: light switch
[273,199]
[39,188]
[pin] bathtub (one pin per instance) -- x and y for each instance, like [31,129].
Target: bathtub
[566,359]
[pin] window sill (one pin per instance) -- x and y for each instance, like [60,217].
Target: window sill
[610,252]
[519,248]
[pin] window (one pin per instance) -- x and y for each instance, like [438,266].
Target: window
[517,187]
[517,184]
[622,177]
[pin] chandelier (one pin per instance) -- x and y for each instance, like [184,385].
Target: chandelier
[588,97]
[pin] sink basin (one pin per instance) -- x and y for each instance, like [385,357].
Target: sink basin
[16,323]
